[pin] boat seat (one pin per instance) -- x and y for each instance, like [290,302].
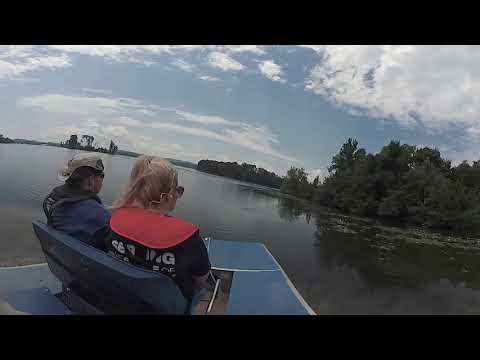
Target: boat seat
[105,282]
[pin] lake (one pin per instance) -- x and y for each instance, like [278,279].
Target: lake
[340,264]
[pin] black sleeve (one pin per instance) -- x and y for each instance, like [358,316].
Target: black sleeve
[199,261]
[99,237]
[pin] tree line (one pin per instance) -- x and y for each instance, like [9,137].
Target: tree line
[243,172]
[402,182]
[86,143]
[5,140]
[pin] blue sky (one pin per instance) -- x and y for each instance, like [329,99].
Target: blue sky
[275,106]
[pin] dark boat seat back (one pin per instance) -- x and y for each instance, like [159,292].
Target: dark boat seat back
[108,283]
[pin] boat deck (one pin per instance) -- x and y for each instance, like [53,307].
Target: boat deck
[252,283]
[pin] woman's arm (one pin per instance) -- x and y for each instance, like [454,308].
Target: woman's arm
[200,262]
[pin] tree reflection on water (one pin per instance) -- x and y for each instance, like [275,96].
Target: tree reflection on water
[384,256]
[363,267]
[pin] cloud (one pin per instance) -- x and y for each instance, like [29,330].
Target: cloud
[316,48]
[271,70]
[203,119]
[128,121]
[146,112]
[436,86]
[121,135]
[188,67]
[79,105]
[15,61]
[18,59]
[114,50]
[115,117]
[138,53]
[118,53]
[313,173]
[255,49]
[255,138]
[15,51]
[208,78]
[97,106]
[224,62]
[185,66]
[98,91]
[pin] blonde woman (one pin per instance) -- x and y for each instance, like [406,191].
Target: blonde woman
[143,234]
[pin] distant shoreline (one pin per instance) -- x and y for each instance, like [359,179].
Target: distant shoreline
[182,163]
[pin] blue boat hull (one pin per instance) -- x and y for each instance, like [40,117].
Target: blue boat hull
[258,285]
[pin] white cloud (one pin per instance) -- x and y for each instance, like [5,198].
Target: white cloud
[98,91]
[96,50]
[208,78]
[93,123]
[116,131]
[63,131]
[316,48]
[434,85]
[79,105]
[203,119]
[137,53]
[146,112]
[106,50]
[15,51]
[313,173]
[224,62]
[122,136]
[117,119]
[128,121]
[255,138]
[93,106]
[254,49]
[17,60]
[185,66]
[188,67]
[119,53]
[271,70]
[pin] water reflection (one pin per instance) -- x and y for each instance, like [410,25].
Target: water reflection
[291,209]
[361,267]
[340,264]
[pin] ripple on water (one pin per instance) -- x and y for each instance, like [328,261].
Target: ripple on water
[33,193]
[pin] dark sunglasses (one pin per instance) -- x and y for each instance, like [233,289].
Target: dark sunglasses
[180,190]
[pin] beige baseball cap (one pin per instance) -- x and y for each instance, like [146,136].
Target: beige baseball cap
[79,160]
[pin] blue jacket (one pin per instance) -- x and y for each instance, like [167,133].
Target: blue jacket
[77,213]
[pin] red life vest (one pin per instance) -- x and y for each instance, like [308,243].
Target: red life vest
[150,229]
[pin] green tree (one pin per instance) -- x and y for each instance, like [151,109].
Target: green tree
[113,148]
[349,153]
[296,183]
[72,143]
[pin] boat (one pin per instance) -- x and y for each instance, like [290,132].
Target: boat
[78,279]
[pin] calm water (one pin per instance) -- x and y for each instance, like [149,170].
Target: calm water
[341,265]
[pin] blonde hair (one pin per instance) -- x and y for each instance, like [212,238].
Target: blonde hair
[149,179]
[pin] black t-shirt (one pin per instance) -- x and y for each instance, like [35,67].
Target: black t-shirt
[180,262]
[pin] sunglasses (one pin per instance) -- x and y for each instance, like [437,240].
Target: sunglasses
[180,190]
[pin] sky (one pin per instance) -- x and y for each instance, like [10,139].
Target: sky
[275,106]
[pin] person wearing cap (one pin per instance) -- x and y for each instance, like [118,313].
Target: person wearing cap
[74,207]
